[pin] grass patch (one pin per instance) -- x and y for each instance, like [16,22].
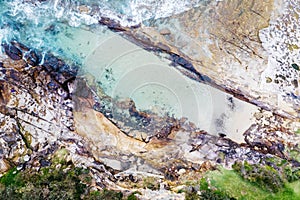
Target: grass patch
[230,182]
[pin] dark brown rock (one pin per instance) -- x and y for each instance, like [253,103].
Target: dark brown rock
[13,52]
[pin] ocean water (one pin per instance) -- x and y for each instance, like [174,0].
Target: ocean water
[70,30]
[47,27]
[41,23]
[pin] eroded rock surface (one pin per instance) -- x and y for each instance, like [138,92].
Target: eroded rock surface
[184,146]
[46,107]
[248,48]
[37,113]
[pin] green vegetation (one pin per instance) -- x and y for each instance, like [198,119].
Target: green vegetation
[132,196]
[65,182]
[239,188]
[206,192]
[294,151]
[247,182]
[60,181]
[294,154]
[295,66]
[275,179]
[11,178]
[151,183]
[264,176]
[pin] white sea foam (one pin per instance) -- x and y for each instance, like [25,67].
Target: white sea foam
[141,9]
[137,11]
[28,20]
[127,13]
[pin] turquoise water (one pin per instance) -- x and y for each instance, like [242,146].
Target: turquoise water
[41,27]
[48,25]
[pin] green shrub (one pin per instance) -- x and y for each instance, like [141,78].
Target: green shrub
[12,177]
[48,183]
[206,193]
[263,176]
[132,196]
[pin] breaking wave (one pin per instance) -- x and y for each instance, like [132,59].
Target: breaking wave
[41,23]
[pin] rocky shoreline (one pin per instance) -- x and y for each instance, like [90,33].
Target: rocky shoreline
[53,118]
[45,107]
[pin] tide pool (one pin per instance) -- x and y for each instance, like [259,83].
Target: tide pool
[124,70]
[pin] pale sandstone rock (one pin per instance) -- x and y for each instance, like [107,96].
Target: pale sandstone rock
[234,43]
